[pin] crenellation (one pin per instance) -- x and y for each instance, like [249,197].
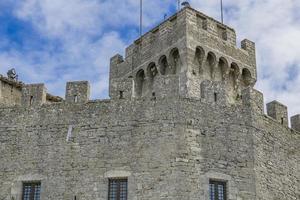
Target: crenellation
[34,94]
[295,122]
[254,100]
[278,111]
[77,92]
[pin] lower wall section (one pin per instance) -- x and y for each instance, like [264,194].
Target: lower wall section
[167,149]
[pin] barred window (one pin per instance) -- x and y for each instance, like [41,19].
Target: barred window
[117,189]
[217,190]
[31,191]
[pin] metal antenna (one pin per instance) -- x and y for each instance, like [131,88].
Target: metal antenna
[141,18]
[222,16]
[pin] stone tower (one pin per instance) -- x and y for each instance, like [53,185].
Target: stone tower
[191,56]
[183,122]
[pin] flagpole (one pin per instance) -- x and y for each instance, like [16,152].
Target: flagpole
[141,18]
[222,17]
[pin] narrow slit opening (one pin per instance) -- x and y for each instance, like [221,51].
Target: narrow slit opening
[215,97]
[31,100]
[75,99]
[121,94]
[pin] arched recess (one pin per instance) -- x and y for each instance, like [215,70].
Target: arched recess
[246,77]
[221,69]
[208,68]
[163,65]
[140,83]
[175,62]
[199,58]
[151,74]
[233,76]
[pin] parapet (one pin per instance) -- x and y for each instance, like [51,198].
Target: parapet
[278,111]
[253,99]
[10,91]
[34,94]
[295,122]
[78,92]
[210,26]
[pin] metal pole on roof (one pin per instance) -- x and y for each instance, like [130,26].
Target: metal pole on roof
[141,17]
[222,16]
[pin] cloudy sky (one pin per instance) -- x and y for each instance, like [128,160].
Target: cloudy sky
[54,41]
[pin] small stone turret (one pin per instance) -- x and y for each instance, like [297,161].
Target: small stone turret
[34,94]
[295,122]
[78,92]
[278,111]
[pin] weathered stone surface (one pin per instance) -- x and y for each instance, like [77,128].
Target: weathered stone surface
[182,111]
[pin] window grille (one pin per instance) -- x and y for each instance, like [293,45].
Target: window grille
[31,191]
[118,189]
[217,190]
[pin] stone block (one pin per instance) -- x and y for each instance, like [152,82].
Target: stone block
[295,122]
[253,99]
[213,92]
[78,92]
[278,111]
[34,94]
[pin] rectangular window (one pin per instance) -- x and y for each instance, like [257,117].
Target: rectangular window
[217,190]
[31,191]
[117,189]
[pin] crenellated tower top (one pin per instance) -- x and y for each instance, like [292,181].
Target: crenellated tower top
[180,57]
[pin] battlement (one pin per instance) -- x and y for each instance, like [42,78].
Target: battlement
[174,31]
[183,51]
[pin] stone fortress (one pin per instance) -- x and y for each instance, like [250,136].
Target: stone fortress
[182,115]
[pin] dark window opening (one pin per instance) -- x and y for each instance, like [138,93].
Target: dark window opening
[31,191]
[31,100]
[215,97]
[75,99]
[118,189]
[282,120]
[217,190]
[121,95]
[75,198]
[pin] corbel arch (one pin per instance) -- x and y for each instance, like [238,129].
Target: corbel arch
[221,69]
[234,73]
[246,77]
[163,65]
[199,59]
[151,74]
[140,83]
[175,61]
[208,68]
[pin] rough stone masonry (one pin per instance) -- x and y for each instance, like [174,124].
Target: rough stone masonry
[182,113]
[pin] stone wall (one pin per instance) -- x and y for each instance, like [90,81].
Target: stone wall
[10,92]
[168,149]
[277,160]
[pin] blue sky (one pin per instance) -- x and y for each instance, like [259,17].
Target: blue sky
[55,41]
